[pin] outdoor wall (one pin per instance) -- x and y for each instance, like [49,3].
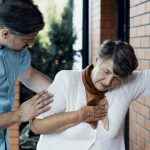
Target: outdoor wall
[102,24]
[140,40]
[94,28]
[109,19]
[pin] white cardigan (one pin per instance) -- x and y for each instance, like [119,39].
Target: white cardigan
[69,95]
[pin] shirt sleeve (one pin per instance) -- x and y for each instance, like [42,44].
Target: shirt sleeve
[24,61]
[57,88]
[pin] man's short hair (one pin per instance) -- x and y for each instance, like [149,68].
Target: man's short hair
[122,54]
[21,16]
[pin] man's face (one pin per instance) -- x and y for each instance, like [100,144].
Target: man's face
[103,76]
[18,42]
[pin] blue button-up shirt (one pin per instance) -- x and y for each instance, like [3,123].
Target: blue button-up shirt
[12,65]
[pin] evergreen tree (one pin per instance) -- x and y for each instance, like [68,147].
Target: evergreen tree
[62,39]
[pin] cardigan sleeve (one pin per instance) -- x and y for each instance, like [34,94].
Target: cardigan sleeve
[119,100]
[138,85]
[117,110]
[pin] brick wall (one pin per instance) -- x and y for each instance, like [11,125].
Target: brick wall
[94,28]
[140,39]
[14,129]
[102,23]
[108,19]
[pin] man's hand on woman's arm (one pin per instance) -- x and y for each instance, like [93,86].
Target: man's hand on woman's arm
[28,110]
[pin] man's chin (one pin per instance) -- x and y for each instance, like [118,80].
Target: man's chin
[18,49]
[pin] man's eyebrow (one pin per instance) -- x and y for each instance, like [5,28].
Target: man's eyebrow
[28,38]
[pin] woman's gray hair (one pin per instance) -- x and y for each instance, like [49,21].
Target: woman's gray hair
[122,55]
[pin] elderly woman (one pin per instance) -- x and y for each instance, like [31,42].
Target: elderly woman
[67,125]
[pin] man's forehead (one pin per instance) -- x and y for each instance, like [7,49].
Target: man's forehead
[29,36]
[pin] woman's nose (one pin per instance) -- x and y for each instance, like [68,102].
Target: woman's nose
[108,80]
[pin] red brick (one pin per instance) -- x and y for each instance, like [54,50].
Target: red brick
[147,6]
[142,53]
[147,30]
[131,22]
[135,42]
[147,146]
[145,134]
[131,145]
[143,64]
[147,101]
[145,42]
[147,124]
[140,143]
[140,120]
[143,110]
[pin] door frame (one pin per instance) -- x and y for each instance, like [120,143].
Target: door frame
[123,34]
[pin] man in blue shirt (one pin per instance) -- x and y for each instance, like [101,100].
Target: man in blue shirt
[20,22]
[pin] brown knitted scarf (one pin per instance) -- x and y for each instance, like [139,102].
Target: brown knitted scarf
[93,95]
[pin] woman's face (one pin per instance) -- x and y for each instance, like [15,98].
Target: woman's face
[103,76]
